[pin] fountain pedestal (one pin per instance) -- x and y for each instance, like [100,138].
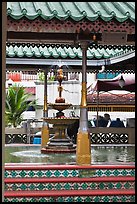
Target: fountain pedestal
[60,142]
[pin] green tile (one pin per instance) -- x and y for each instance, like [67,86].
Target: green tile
[96,199]
[115,199]
[22,173]
[106,198]
[51,199]
[132,198]
[60,199]
[79,199]
[74,173]
[6,200]
[14,187]
[58,186]
[123,199]
[57,173]
[127,185]
[67,186]
[24,200]
[33,199]
[6,174]
[65,173]
[118,185]
[31,173]
[84,186]
[110,185]
[43,200]
[32,186]
[99,172]
[76,186]
[13,174]
[87,199]
[101,185]
[23,186]
[93,186]
[14,200]
[41,186]
[40,174]
[124,172]
[49,186]
[116,172]
[108,172]
[132,172]
[5,187]
[48,173]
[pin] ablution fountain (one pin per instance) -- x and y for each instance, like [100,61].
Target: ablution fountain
[60,142]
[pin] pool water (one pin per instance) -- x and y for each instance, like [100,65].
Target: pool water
[107,154]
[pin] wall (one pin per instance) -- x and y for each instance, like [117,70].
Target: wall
[71,92]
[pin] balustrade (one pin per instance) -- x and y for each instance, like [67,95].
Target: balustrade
[99,135]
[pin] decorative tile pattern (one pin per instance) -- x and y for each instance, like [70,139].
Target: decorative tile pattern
[121,198]
[109,138]
[70,186]
[41,173]
[84,185]
[15,138]
[68,173]
[106,172]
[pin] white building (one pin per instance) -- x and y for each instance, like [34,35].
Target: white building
[71,92]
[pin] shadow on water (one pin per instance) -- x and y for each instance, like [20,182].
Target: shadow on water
[99,154]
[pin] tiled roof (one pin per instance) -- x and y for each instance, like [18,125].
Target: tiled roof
[44,51]
[121,11]
[108,98]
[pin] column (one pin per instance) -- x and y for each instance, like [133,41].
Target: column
[83,149]
[45,128]
[4,34]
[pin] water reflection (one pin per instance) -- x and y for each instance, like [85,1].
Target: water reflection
[99,154]
[113,154]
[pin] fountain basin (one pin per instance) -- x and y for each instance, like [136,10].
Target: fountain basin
[60,106]
[61,120]
[100,154]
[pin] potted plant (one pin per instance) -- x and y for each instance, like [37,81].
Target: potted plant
[16,104]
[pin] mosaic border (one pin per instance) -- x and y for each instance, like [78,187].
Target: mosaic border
[121,198]
[68,173]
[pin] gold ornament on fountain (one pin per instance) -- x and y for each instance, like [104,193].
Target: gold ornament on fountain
[60,77]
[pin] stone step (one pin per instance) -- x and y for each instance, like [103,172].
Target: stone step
[60,140]
[60,144]
[70,183]
[37,170]
[106,195]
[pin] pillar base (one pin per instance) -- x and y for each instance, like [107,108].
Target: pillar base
[44,136]
[83,149]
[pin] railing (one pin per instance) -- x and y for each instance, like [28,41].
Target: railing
[112,135]
[100,135]
[20,135]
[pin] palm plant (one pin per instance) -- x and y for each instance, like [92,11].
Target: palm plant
[16,104]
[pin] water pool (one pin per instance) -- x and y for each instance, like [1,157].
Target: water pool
[106,154]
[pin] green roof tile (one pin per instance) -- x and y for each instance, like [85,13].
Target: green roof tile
[44,51]
[74,10]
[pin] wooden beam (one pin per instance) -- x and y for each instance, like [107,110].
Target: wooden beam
[105,38]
